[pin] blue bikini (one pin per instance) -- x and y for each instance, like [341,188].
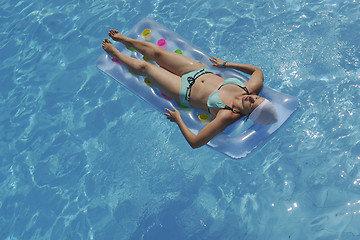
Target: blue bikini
[187,80]
[214,100]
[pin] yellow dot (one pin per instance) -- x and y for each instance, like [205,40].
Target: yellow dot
[148,82]
[204,118]
[146,34]
[147,59]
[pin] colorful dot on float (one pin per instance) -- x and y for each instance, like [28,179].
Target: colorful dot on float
[166,97]
[132,49]
[184,108]
[204,118]
[179,51]
[146,34]
[116,61]
[162,43]
[148,82]
[147,59]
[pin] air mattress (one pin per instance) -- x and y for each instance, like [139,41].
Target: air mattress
[237,140]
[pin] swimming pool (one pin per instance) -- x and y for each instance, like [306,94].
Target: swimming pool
[83,158]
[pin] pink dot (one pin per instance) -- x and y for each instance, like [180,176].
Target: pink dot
[166,97]
[162,43]
[115,60]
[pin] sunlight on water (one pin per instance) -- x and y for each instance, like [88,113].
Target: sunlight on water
[83,158]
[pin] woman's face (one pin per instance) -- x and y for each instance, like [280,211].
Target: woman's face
[250,102]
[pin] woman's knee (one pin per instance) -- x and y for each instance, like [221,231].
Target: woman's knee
[141,68]
[157,54]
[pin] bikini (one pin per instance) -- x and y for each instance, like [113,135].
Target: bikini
[187,81]
[214,100]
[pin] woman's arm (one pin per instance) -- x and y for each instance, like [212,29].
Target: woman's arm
[256,79]
[204,136]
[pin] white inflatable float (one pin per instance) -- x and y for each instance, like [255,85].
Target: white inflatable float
[237,140]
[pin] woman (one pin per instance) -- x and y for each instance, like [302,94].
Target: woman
[191,83]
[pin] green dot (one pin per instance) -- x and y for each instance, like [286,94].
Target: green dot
[183,106]
[132,49]
[179,51]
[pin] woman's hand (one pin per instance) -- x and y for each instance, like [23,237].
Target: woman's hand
[205,135]
[217,62]
[173,116]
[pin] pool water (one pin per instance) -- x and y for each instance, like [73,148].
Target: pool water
[83,158]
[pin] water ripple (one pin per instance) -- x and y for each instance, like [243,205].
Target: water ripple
[81,152]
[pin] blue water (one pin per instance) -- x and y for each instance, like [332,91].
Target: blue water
[83,158]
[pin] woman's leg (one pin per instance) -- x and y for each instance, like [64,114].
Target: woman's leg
[173,62]
[165,81]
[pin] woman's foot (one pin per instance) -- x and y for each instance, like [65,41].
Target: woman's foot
[118,37]
[109,47]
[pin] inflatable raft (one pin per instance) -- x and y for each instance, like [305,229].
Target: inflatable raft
[237,140]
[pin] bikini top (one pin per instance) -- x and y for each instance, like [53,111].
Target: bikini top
[214,100]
